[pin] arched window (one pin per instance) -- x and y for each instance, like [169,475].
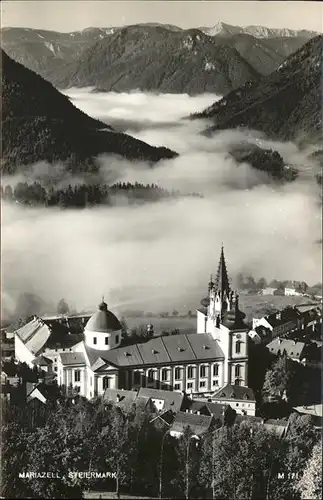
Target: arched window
[150,375]
[164,374]
[238,347]
[190,372]
[237,370]
[215,370]
[136,377]
[177,373]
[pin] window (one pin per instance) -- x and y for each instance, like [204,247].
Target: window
[177,387]
[106,382]
[55,359]
[237,370]
[91,381]
[106,340]
[94,340]
[77,376]
[177,373]
[151,375]
[190,385]
[237,381]
[202,384]
[164,374]
[215,370]
[215,382]
[117,339]
[78,389]
[238,347]
[202,371]
[190,372]
[55,368]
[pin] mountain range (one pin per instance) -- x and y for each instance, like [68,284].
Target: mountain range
[154,57]
[286,105]
[40,123]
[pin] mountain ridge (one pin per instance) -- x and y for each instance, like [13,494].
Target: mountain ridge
[154,57]
[40,123]
[285,105]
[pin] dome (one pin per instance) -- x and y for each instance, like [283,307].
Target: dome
[103,321]
[234,319]
[205,302]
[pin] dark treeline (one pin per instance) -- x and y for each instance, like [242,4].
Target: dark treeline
[73,434]
[84,195]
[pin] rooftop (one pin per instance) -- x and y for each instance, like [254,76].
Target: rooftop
[103,321]
[172,400]
[72,358]
[290,347]
[236,392]
[34,335]
[161,350]
[197,423]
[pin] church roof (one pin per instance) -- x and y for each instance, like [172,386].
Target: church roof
[160,350]
[103,321]
[221,283]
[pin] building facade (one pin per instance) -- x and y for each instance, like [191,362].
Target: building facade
[192,363]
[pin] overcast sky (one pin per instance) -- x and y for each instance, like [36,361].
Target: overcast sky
[77,15]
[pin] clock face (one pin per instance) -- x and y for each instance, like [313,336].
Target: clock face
[238,336]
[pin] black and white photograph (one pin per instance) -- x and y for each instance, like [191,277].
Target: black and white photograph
[161,249]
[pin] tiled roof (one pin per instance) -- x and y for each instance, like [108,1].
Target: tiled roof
[161,350]
[315,409]
[197,423]
[236,392]
[293,349]
[250,419]
[282,317]
[34,335]
[119,396]
[207,408]
[72,358]
[172,400]
[42,361]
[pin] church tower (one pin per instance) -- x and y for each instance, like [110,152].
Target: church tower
[222,318]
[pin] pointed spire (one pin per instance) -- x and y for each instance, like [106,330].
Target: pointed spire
[222,281]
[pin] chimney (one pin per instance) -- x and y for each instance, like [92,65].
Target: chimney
[118,398]
[198,412]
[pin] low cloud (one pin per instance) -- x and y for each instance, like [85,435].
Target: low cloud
[170,247]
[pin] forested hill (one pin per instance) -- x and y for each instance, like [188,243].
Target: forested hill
[86,195]
[39,123]
[153,56]
[286,104]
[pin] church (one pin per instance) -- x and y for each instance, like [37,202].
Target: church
[193,363]
[198,364]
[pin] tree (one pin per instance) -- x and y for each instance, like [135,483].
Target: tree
[175,313]
[262,283]
[62,307]
[188,452]
[310,484]
[280,379]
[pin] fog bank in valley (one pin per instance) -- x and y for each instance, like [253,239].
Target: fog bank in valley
[170,246]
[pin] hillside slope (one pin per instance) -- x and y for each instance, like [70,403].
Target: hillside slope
[39,123]
[285,104]
[150,57]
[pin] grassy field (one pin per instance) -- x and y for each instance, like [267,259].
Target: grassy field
[251,305]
